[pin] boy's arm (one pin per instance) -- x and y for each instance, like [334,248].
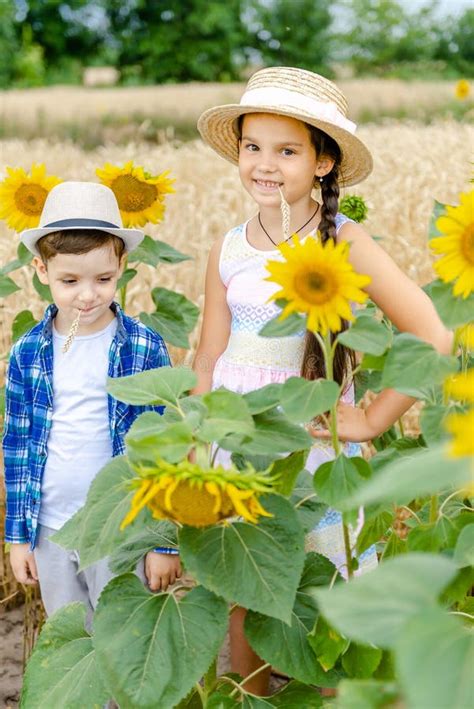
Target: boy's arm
[15,449]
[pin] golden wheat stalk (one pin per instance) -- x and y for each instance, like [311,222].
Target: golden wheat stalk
[72,333]
[285,215]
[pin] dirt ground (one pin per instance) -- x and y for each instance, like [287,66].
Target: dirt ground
[11,656]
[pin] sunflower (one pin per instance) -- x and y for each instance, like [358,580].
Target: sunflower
[190,495]
[319,280]
[462,89]
[457,245]
[140,196]
[460,386]
[354,207]
[461,426]
[465,336]
[22,196]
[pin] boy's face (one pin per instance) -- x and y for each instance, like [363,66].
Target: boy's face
[85,282]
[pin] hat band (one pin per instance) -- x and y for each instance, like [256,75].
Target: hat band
[62,223]
[276,98]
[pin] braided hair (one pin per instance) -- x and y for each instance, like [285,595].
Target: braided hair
[313,359]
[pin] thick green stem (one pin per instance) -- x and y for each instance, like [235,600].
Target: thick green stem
[329,351]
[347,549]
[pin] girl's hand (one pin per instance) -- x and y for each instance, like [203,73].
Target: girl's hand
[161,570]
[23,564]
[352,425]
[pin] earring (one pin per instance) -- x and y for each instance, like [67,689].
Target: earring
[321,180]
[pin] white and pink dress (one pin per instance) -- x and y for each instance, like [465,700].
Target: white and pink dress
[250,362]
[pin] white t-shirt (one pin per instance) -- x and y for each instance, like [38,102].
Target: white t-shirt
[79,442]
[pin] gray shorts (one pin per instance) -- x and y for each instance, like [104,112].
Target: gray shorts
[60,580]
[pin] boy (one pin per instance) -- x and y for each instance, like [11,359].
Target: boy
[61,427]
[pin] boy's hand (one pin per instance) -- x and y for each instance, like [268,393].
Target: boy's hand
[23,564]
[352,425]
[161,570]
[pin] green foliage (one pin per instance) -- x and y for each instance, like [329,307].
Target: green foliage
[303,400]
[401,633]
[414,367]
[374,607]
[95,530]
[152,676]
[63,669]
[293,34]
[175,316]
[434,656]
[287,646]
[224,559]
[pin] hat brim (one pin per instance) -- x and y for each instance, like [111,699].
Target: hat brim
[131,237]
[218,129]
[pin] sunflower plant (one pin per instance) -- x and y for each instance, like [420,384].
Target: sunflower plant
[241,529]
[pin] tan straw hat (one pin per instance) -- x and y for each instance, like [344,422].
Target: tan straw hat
[81,205]
[297,93]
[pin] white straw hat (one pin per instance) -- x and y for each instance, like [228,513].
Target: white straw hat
[296,93]
[81,205]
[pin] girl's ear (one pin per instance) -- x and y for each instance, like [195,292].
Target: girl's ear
[41,270]
[324,166]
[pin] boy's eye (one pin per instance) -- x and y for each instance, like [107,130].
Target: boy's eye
[106,279]
[288,151]
[68,281]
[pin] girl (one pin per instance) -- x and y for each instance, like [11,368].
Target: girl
[290,133]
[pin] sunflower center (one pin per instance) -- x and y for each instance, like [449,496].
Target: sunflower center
[467,241]
[30,199]
[132,194]
[189,505]
[315,287]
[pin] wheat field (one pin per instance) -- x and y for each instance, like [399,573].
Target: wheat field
[186,101]
[414,164]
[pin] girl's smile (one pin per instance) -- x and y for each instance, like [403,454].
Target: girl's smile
[276,151]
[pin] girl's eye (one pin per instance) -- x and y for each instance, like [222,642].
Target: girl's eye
[105,279]
[288,151]
[67,281]
[251,147]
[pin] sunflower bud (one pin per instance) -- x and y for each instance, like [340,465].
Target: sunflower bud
[197,497]
[354,207]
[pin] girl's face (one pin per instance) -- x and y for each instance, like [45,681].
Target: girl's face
[276,151]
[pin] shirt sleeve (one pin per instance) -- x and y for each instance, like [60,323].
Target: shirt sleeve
[157,356]
[15,449]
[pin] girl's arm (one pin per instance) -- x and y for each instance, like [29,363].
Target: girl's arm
[215,329]
[410,310]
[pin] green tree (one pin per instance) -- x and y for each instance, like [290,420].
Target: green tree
[293,33]
[455,43]
[171,40]
[8,42]
[382,34]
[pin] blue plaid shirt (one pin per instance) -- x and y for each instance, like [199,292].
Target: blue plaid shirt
[29,410]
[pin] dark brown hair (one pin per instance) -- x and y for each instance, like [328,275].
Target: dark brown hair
[313,366]
[77,241]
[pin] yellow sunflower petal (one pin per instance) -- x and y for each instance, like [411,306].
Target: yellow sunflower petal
[461,426]
[140,196]
[318,280]
[456,246]
[22,196]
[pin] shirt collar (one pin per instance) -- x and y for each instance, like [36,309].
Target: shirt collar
[52,310]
